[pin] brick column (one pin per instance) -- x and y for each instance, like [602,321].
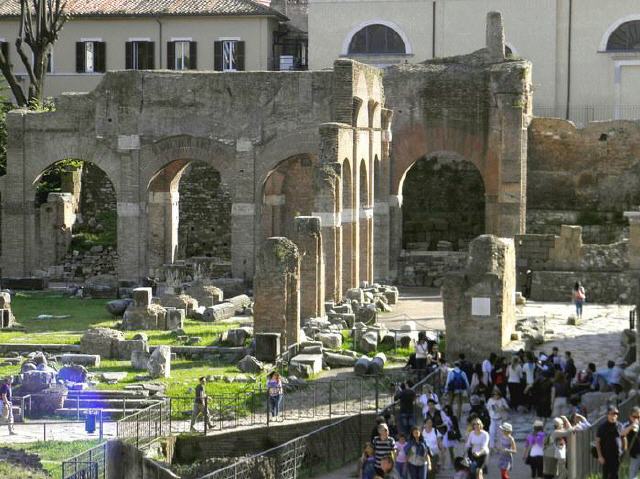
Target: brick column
[307,237]
[327,188]
[277,290]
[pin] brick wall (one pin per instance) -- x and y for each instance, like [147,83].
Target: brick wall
[583,176]
[205,214]
[97,196]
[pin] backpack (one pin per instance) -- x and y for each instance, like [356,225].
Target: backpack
[457,382]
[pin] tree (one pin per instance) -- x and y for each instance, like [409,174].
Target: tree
[40,24]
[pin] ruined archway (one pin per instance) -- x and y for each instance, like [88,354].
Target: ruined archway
[75,221]
[443,204]
[193,191]
[288,192]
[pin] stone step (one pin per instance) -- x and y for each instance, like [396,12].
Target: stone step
[109,393]
[110,413]
[113,403]
[47,348]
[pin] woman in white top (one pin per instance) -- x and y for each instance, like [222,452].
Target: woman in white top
[498,408]
[477,445]
[434,441]
[424,400]
[514,383]
[422,351]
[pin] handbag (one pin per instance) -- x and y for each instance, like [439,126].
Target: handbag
[5,411]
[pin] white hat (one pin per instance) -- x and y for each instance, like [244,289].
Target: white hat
[505,426]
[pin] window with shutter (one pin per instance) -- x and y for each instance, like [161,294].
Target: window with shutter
[149,61]
[171,55]
[232,55]
[89,57]
[128,54]
[240,56]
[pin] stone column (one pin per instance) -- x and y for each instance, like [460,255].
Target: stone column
[395,234]
[132,217]
[163,216]
[327,189]
[277,290]
[56,219]
[308,239]
[244,227]
[495,36]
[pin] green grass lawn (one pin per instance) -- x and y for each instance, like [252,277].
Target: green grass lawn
[51,454]
[85,313]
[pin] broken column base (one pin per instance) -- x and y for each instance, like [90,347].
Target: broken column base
[268,346]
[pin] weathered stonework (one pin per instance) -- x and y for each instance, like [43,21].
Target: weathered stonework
[277,290]
[308,239]
[479,303]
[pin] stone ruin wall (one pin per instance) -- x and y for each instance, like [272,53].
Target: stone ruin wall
[586,177]
[557,262]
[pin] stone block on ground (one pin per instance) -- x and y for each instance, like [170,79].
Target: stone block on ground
[391,296]
[236,337]
[74,374]
[301,370]
[181,301]
[35,381]
[355,294]
[337,360]
[101,286]
[361,366]
[314,361]
[368,342]
[367,314]
[89,360]
[219,312]
[150,317]
[240,302]
[342,309]
[159,365]
[250,365]
[175,318]
[311,350]
[330,340]
[140,360]
[142,297]
[268,346]
[128,346]
[113,378]
[117,307]
[101,341]
[376,366]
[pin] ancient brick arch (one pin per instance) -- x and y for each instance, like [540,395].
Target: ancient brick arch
[143,128]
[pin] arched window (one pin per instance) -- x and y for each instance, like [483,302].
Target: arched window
[378,39]
[625,38]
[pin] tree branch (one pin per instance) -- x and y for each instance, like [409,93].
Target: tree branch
[16,89]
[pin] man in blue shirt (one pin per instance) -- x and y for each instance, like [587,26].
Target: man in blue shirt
[7,407]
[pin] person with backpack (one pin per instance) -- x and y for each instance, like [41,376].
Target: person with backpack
[437,417]
[457,386]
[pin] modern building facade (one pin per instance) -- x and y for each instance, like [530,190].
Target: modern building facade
[230,35]
[585,54]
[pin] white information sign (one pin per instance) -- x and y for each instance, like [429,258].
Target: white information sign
[481,306]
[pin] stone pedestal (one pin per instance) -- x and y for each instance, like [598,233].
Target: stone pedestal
[277,290]
[267,346]
[479,302]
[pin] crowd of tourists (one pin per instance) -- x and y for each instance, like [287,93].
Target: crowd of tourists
[425,436]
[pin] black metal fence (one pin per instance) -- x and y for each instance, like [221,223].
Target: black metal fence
[311,400]
[146,425]
[322,450]
[580,462]
[90,464]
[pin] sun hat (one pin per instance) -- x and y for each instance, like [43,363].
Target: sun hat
[505,426]
[538,423]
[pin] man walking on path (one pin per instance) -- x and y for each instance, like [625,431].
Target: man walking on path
[7,407]
[610,444]
[200,404]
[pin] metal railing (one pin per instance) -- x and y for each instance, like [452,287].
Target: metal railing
[146,425]
[581,115]
[90,464]
[308,401]
[322,450]
[580,462]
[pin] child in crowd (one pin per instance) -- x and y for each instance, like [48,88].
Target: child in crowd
[368,463]
[401,455]
[461,466]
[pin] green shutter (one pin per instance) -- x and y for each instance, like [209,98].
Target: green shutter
[128,56]
[217,56]
[100,57]
[171,55]
[150,55]
[193,56]
[240,56]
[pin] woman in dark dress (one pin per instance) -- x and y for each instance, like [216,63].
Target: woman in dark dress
[541,391]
